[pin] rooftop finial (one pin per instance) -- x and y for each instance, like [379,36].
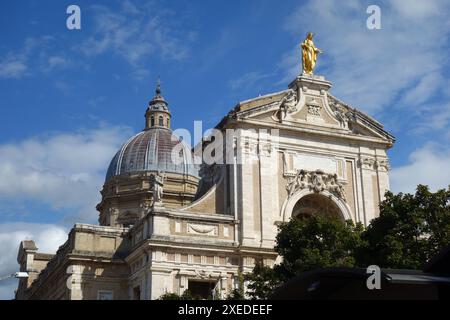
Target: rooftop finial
[158,86]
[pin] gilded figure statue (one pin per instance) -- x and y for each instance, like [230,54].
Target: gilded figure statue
[309,54]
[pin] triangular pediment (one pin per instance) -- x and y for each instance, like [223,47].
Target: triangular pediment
[309,107]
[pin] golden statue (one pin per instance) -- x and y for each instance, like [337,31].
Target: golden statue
[309,53]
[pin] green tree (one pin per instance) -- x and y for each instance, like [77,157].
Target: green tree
[174,296]
[238,293]
[305,244]
[409,231]
[169,296]
[262,281]
[316,242]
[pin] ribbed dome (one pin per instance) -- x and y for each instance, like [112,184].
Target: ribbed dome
[150,150]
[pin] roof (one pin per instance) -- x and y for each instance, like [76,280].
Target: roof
[151,150]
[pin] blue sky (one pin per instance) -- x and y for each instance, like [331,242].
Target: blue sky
[69,98]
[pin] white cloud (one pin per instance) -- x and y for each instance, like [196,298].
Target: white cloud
[131,32]
[46,236]
[434,118]
[427,165]
[12,68]
[7,289]
[398,71]
[31,56]
[247,80]
[417,10]
[55,62]
[14,65]
[65,171]
[136,33]
[372,68]
[425,88]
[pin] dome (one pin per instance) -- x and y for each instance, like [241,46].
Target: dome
[150,150]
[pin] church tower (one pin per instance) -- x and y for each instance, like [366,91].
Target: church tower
[128,192]
[157,114]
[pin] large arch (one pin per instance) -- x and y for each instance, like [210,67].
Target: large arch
[334,204]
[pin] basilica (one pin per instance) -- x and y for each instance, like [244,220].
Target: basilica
[167,226]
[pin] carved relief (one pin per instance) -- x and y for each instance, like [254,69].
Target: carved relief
[314,110]
[203,274]
[113,211]
[366,163]
[249,146]
[265,149]
[383,165]
[316,181]
[202,229]
[342,114]
[287,104]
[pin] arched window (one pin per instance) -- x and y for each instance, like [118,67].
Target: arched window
[152,121]
[161,121]
[168,122]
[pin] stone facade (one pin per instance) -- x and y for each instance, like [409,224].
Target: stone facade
[298,151]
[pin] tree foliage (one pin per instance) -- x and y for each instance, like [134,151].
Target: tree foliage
[238,293]
[409,231]
[261,281]
[316,242]
[174,296]
[305,244]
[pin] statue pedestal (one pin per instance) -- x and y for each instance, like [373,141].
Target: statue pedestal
[158,207]
[311,83]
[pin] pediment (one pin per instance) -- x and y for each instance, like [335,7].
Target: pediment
[359,123]
[286,109]
[317,109]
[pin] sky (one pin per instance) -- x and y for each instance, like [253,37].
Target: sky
[70,98]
